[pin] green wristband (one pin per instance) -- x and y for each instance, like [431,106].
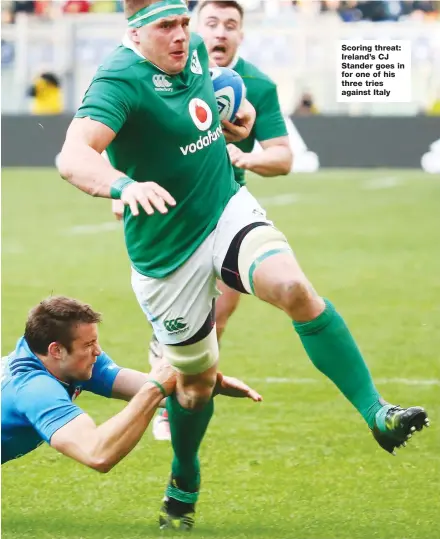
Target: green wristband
[118,186]
[157,384]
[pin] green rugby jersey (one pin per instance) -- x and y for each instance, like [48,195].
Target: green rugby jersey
[261,91]
[167,131]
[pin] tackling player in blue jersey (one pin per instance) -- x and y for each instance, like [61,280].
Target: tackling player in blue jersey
[58,357]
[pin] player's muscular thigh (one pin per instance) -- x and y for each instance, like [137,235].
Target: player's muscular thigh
[279,280]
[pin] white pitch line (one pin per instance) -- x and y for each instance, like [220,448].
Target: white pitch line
[279,200]
[273,380]
[94,229]
[409,381]
[12,249]
[304,381]
[387,182]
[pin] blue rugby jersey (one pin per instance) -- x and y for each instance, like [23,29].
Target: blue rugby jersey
[35,404]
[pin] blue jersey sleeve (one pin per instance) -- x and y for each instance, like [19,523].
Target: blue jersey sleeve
[104,373]
[45,403]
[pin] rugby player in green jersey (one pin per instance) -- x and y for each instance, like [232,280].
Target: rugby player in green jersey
[187,222]
[220,24]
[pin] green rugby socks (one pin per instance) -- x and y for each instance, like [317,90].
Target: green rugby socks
[332,349]
[188,428]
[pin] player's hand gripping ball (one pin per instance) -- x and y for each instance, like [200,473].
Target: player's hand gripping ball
[229,90]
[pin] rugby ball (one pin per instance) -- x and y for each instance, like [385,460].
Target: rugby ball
[229,90]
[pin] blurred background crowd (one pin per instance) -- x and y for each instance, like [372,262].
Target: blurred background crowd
[347,11]
[51,48]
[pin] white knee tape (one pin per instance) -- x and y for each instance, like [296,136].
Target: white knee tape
[260,241]
[193,358]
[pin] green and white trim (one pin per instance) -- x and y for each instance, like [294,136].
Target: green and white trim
[158,10]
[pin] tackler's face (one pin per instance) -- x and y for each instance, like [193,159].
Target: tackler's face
[77,362]
[165,42]
[221,29]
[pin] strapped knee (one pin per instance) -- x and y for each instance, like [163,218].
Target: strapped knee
[259,244]
[193,358]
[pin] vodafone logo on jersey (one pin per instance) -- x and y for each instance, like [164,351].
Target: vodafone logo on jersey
[200,113]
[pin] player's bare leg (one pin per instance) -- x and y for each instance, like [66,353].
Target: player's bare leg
[225,306]
[279,280]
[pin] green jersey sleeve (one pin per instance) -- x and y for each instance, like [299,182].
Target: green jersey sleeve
[269,122]
[109,100]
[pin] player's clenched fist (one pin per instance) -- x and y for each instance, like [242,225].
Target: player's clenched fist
[243,124]
[149,195]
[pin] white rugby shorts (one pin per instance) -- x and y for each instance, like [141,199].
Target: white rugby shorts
[178,305]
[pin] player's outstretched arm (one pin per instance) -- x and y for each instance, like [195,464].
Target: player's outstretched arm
[128,382]
[103,447]
[275,159]
[81,164]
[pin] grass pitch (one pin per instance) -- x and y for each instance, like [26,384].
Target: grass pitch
[302,464]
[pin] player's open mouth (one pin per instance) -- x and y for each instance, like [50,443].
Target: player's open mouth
[178,55]
[219,48]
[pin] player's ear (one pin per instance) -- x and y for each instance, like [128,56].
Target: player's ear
[134,35]
[55,350]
